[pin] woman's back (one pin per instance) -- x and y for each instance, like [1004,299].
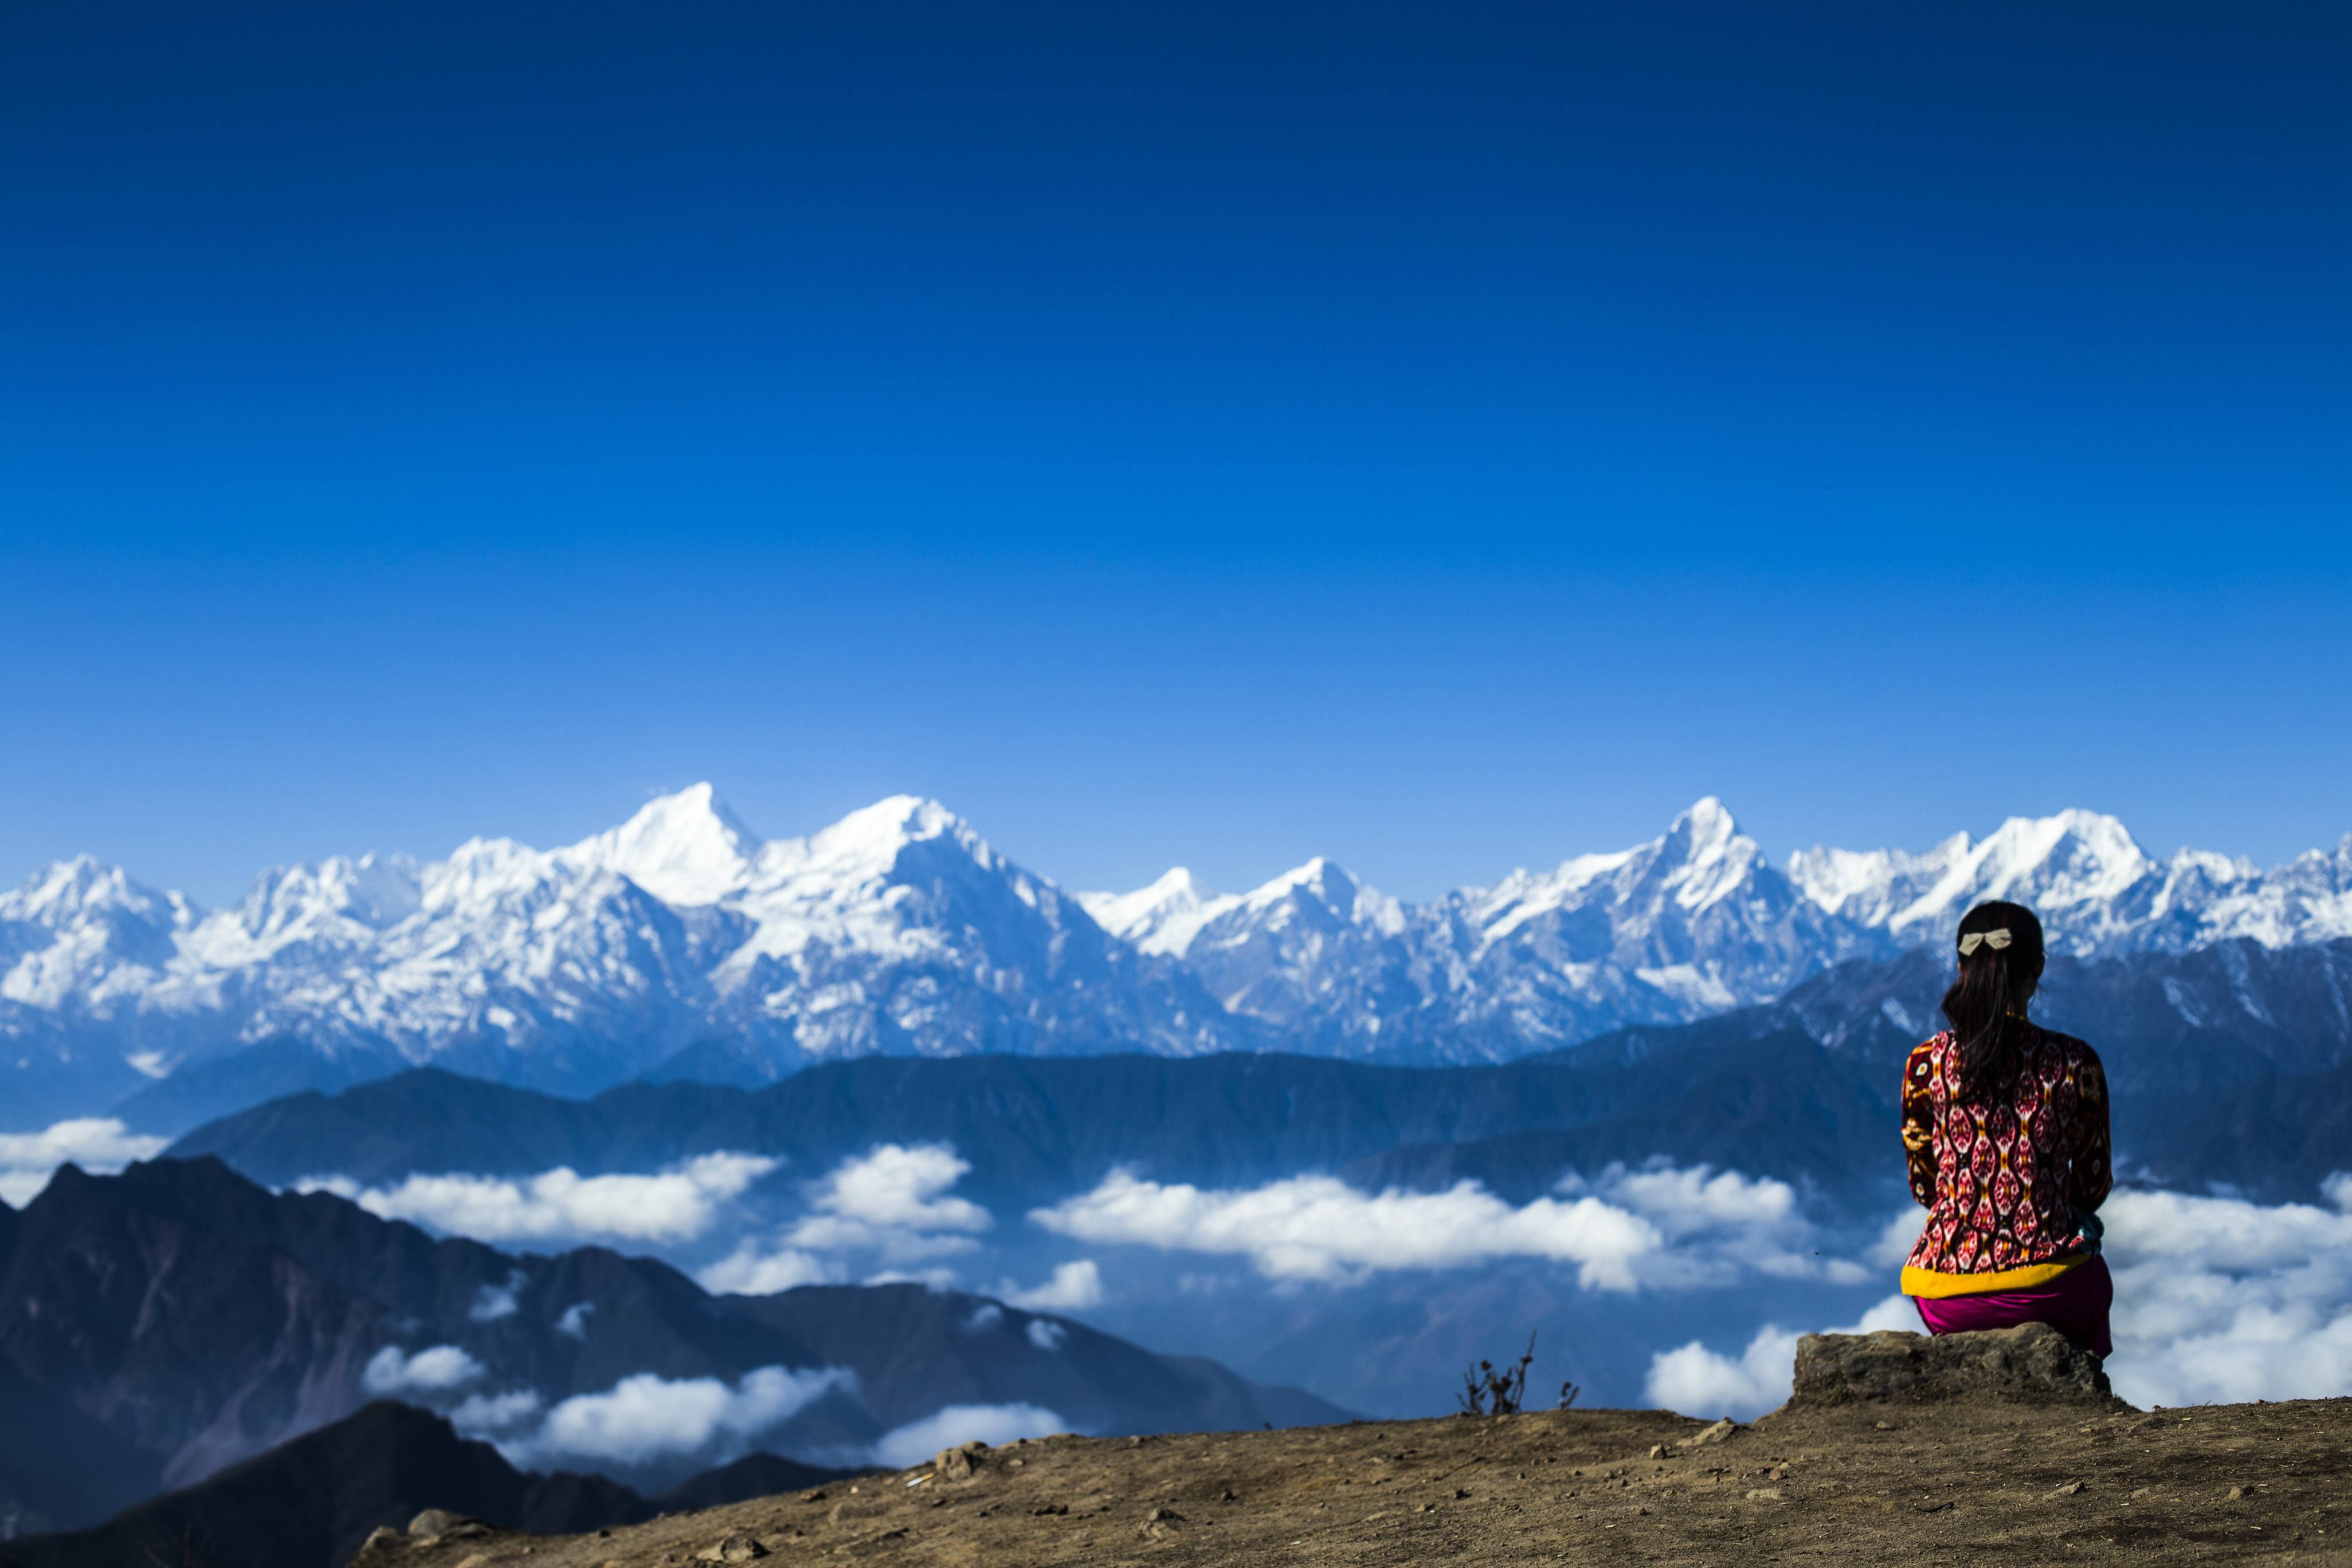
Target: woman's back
[2010,1171]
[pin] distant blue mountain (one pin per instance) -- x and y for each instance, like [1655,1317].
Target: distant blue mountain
[680,944]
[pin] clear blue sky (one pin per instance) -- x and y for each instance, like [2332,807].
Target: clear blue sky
[1446,437]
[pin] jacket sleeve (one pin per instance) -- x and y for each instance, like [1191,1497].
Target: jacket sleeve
[1919,1126]
[2092,1176]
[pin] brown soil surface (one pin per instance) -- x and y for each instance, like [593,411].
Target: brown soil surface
[1960,1482]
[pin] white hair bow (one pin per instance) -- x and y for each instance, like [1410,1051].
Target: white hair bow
[1995,940]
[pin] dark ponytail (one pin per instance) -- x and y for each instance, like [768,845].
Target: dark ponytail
[1987,1003]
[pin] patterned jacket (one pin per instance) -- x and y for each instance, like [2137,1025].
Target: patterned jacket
[2007,1183]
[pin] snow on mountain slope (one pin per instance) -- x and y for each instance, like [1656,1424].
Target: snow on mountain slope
[78,936]
[1162,917]
[683,848]
[2097,892]
[1695,922]
[681,934]
[897,929]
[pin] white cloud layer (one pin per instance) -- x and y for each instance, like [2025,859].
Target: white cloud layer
[486,1415]
[675,1205]
[1658,1226]
[903,1447]
[2221,1300]
[753,1270]
[492,1302]
[1074,1288]
[893,1202]
[437,1370]
[100,1145]
[648,1416]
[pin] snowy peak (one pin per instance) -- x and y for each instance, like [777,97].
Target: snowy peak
[865,845]
[339,895]
[684,848]
[1704,828]
[70,892]
[2075,869]
[891,824]
[2097,890]
[1704,855]
[1327,886]
[899,928]
[1162,917]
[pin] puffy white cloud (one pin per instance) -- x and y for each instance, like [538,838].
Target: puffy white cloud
[1696,1381]
[1718,1224]
[648,1416]
[894,1185]
[492,1302]
[1046,1335]
[893,1201]
[934,1279]
[904,1446]
[436,1369]
[1657,1226]
[100,1145]
[1072,1288]
[1317,1227]
[486,1415]
[673,1206]
[754,1271]
[575,1320]
[2219,1299]
[984,1317]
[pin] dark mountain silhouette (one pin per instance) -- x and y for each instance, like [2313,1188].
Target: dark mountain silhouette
[2276,1139]
[310,1502]
[1777,1104]
[1034,1130]
[1778,1091]
[203,1318]
[176,1319]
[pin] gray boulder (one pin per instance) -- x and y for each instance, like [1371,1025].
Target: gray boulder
[2032,1363]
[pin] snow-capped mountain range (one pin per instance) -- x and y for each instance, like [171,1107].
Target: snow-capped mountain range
[680,936]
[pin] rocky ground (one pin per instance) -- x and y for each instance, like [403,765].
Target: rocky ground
[1895,1450]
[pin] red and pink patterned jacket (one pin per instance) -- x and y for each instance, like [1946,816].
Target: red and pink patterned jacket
[2007,1183]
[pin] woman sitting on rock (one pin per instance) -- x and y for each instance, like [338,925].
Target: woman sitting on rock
[2005,1124]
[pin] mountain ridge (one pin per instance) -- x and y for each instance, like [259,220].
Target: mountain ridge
[179,1319]
[680,936]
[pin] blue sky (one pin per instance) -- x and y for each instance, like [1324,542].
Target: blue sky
[1441,438]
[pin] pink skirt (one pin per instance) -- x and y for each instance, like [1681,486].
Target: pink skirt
[2076,1304]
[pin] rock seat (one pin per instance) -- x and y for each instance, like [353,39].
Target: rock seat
[2032,1363]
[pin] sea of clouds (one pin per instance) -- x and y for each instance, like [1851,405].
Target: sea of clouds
[1656,1227]
[2218,1298]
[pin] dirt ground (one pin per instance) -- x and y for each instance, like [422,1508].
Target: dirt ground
[1957,1483]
